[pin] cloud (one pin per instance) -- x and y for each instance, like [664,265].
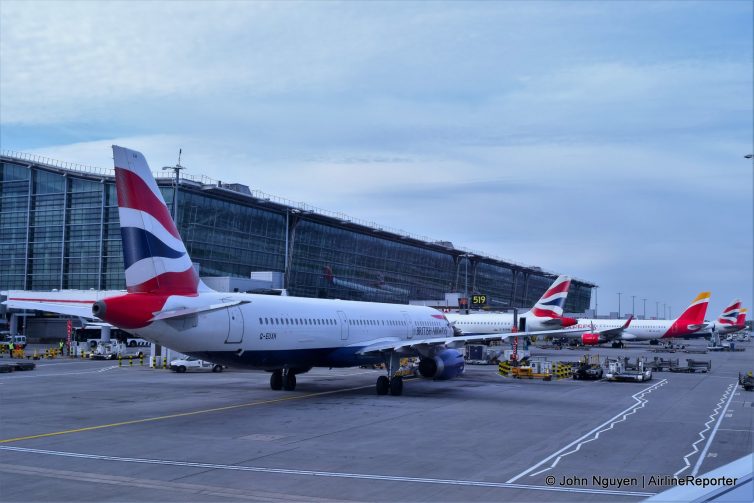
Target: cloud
[605,142]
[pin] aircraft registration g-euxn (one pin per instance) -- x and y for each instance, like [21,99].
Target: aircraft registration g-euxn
[168,304]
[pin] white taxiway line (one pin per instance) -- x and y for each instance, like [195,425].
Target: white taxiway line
[315,473]
[714,431]
[610,423]
[701,433]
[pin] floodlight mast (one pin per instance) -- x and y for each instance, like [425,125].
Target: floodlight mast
[177,169]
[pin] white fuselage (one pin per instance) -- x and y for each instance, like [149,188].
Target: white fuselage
[638,330]
[493,323]
[272,331]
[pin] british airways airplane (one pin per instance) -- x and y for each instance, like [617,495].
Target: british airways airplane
[547,313]
[732,319]
[167,303]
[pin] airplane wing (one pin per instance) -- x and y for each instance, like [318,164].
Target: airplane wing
[433,344]
[615,333]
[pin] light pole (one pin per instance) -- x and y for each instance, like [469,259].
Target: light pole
[596,301]
[466,257]
[670,313]
[657,312]
[645,308]
[619,294]
[633,307]
[664,310]
[177,168]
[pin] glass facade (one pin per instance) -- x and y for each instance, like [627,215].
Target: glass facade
[60,229]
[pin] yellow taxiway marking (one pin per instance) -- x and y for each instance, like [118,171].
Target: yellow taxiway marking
[181,414]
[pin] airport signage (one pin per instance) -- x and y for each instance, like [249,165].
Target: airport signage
[478,300]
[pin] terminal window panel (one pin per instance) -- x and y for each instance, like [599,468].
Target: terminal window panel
[230,239]
[493,280]
[364,267]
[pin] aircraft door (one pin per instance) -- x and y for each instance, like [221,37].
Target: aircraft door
[409,325]
[522,324]
[235,325]
[343,326]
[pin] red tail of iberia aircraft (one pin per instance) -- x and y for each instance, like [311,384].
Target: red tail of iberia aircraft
[692,319]
[741,321]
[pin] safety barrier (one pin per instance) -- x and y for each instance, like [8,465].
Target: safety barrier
[563,370]
[504,368]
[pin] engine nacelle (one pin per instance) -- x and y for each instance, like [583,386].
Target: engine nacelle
[446,365]
[566,322]
[590,339]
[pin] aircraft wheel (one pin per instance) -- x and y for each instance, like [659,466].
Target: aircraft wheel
[289,382]
[276,380]
[396,386]
[383,385]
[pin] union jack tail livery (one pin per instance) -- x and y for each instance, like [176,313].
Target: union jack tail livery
[552,302]
[730,314]
[156,260]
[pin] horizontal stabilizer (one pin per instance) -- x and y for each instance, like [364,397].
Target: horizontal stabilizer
[180,313]
[79,309]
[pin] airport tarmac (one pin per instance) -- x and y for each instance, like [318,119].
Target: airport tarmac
[77,430]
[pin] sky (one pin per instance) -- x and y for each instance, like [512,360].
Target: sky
[603,140]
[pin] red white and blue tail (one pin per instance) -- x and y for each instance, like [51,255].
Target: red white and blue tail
[552,302]
[156,260]
[730,314]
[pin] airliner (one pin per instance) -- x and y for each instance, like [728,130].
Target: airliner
[378,287]
[732,319]
[349,285]
[618,331]
[546,314]
[166,303]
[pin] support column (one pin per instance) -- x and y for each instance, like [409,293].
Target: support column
[105,337]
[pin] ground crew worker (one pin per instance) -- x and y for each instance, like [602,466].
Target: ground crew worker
[62,344]
[10,347]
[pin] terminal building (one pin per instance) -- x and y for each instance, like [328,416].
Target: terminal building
[59,229]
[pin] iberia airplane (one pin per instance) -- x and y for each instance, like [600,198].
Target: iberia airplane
[690,321]
[166,303]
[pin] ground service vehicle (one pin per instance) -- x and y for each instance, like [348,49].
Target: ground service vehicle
[191,363]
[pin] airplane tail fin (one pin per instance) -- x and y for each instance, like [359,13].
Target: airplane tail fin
[550,305]
[155,258]
[741,320]
[730,314]
[692,319]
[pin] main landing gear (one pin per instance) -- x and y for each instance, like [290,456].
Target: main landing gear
[283,379]
[390,383]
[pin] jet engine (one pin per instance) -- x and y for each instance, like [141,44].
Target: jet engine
[590,339]
[445,365]
[566,322]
